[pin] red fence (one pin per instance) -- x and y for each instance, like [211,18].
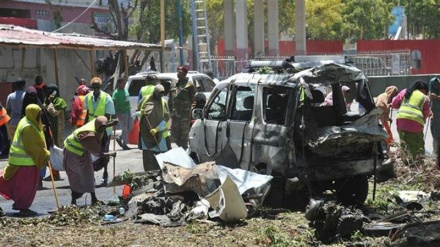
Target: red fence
[429,49]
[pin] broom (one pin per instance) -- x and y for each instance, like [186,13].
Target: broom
[53,185]
[114,200]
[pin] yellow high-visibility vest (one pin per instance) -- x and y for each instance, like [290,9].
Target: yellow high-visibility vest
[73,144]
[17,155]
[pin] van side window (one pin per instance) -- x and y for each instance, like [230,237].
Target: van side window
[275,105]
[207,84]
[243,104]
[217,109]
[135,87]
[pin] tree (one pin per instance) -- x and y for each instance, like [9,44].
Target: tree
[366,19]
[324,19]
[422,17]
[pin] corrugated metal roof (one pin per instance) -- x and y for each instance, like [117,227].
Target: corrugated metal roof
[18,36]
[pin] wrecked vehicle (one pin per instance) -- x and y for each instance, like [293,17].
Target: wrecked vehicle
[272,119]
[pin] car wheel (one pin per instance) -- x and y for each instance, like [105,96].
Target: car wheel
[353,191]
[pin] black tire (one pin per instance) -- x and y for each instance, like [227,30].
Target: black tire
[352,192]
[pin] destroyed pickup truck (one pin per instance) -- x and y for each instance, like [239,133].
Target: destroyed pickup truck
[271,119]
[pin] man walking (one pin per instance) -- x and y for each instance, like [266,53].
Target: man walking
[14,104]
[180,101]
[121,98]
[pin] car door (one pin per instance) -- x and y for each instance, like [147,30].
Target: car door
[239,126]
[208,136]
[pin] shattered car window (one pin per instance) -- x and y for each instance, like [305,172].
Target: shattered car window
[275,104]
[244,104]
[217,109]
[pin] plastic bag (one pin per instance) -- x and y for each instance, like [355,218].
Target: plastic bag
[56,158]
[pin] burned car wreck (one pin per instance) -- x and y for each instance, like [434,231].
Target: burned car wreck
[272,119]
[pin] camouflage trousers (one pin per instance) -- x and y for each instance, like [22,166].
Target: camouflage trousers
[180,128]
[413,142]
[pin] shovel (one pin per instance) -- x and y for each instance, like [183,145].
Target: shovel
[114,200]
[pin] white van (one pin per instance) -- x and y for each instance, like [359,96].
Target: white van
[135,82]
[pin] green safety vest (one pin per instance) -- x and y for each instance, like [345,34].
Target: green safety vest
[100,107]
[147,90]
[412,108]
[17,155]
[73,144]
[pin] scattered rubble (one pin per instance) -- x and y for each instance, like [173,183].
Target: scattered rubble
[183,192]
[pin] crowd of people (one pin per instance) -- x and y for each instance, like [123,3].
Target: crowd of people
[34,122]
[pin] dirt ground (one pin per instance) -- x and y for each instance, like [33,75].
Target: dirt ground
[73,226]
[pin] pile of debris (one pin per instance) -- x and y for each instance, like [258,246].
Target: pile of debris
[182,192]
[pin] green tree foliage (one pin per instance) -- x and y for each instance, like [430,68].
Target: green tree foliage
[324,19]
[422,17]
[366,19]
[146,21]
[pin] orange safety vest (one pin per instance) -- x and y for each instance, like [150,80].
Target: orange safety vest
[4,117]
[82,117]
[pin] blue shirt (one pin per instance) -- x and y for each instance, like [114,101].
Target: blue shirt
[14,103]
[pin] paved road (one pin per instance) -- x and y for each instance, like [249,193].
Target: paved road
[125,160]
[45,199]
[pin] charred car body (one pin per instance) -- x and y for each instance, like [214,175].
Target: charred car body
[272,120]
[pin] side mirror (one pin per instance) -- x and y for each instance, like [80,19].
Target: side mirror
[197,113]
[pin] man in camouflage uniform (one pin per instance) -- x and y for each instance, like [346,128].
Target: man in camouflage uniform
[180,101]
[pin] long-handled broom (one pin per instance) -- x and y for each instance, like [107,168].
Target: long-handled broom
[53,185]
[114,200]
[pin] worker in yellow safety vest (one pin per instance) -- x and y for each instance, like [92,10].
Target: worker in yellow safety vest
[77,159]
[413,108]
[99,103]
[27,156]
[154,127]
[148,89]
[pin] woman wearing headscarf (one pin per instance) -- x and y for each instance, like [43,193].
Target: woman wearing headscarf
[434,95]
[77,161]
[413,108]
[31,97]
[79,113]
[154,125]
[56,107]
[28,155]
[383,102]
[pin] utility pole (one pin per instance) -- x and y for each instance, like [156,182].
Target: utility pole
[179,10]
[300,27]
[162,35]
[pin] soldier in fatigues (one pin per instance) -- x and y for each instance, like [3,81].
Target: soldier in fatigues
[180,101]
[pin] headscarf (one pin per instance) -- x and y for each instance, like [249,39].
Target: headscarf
[50,88]
[100,121]
[384,100]
[58,102]
[33,114]
[416,85]
[31,90]
[83,90]
[434,82]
